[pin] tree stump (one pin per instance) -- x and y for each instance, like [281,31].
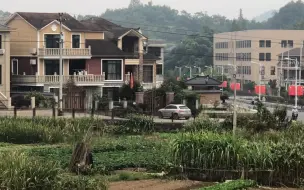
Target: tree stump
[82,159]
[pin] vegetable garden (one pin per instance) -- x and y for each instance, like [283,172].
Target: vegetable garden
[36,152]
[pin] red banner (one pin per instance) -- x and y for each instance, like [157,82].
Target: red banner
[224,84]
[237,86]
[292,90]
[260,89]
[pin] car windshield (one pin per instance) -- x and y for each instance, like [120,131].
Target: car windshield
[183,107]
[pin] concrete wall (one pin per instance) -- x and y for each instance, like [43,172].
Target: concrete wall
[5,64]
[209,98]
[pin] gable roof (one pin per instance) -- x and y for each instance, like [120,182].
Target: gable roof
[203,81]
[4,28]
[105,48]
[40,20]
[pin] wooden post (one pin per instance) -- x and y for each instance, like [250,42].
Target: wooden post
[34,113]
[54,111]
[73,113]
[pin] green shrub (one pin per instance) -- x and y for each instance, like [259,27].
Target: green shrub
[18,171]
[232,185]
[137,124]
[202,123]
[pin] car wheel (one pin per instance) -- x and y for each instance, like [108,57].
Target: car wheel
[175,116]
[160,114]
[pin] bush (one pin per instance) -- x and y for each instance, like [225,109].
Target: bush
[202,123]
[47,130]
[137,124]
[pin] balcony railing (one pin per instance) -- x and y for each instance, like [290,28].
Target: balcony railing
[66,52]
[54,79]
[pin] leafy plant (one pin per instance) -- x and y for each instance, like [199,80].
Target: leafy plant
[232,185]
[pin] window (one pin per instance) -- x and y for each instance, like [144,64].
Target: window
[239,70]
[171,107]
[51,67]
[0,41]
[290,43]
[283,43]
[268,43]
[52,40]
[261,57]
[221,45]
[268,56]
[272,70]
[243,44]
[159,69]
[14,67]
[262,43]
[75,41]
[148,73]
[112,69]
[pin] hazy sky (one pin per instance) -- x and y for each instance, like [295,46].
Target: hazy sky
[228,8]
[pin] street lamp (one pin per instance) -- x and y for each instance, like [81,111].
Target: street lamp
[296,81]
[190,68]
[180,71]
[234,101]
[260,74]
[211,69]
[199,69]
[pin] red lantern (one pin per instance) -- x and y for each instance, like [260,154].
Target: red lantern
[292,90]
[260,89]
[224,84]
[237,86]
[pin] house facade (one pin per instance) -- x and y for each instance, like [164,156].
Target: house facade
[260,46]
[5,67]
[99,56]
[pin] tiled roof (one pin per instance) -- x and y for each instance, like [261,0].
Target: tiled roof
[105,48]
[202,81]
[39,20]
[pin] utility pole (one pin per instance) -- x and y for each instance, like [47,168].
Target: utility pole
[234,100]
[60,110]
[190,68]
[281,73]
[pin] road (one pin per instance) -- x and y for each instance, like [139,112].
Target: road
[301,113]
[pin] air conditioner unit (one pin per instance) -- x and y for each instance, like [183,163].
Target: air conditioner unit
[33,62]
[2,51]
[33,51]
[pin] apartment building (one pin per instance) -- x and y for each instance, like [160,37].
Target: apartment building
[247,48]
[98,55]
[5,66]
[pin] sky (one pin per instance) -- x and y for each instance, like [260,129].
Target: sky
[228,8]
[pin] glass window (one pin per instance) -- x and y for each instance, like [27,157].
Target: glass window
[283,43]
[51,67]
[52,40]
[268,56]
[15,66]
[159,69]
[262,43]
[261,56]
[272,70]
[148,73]
[268,43]
[75,41]
[290,43]
[112,69]
[183,107]
[171,107]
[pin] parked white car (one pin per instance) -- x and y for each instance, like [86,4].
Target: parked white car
[176,111]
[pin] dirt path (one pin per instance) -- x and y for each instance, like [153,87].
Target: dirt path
[156,185]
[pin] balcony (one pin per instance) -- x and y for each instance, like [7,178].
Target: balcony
[67,53]
[35,80]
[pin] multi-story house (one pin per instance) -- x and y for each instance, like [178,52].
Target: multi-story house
[97,55]
[5,67]
[249,48]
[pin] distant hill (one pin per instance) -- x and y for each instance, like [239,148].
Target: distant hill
[265,16]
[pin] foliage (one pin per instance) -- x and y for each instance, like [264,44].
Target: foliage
[18,171]
[39,98]
[202,123]
[137,124]
[232,185]
[47,130]
[224,97]
[127,92]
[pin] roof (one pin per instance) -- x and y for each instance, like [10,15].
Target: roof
[40,20]
[203,81]
[105,48]
[293,52]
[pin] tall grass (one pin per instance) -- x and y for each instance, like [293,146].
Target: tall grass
[45,130]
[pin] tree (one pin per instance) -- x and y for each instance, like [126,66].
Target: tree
[134,3]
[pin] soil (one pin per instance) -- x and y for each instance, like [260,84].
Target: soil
[157,185]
